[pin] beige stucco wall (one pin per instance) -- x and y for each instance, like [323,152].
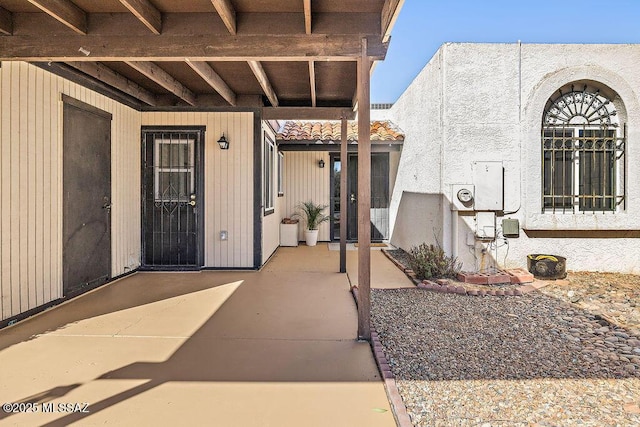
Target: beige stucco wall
[484,102]
[31,184]
[228,183]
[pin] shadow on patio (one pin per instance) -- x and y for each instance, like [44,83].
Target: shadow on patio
[275,347]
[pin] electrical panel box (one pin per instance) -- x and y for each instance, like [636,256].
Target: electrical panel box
[486,225]
[510,227]
[462,197]
[488,180]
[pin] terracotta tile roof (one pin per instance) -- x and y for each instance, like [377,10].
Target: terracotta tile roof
[330,131]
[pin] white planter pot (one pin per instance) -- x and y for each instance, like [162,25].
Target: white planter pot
[311,236]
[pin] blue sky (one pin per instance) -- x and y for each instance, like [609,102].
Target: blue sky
[424,25]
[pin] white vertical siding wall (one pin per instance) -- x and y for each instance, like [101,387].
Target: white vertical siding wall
[228,183]
[271,222]
[304,180]
[31,184]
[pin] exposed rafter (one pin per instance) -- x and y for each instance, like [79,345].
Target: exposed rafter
[214,80]
[227,13]
[390,11]
[146,13]
[307,16]
[163,47]
[312,82]
[6,22]
[118,81]
[257,69]
[64,11]
[161,77]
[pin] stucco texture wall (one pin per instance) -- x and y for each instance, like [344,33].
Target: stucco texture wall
[418,113]
[484,102]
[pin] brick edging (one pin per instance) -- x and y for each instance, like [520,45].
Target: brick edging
[409,272]
[449,289]
[460,290]
[393,394]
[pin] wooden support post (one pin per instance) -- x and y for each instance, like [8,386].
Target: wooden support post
[343,194]
[364,196]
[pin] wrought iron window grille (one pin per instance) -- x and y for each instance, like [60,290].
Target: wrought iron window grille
[583,154]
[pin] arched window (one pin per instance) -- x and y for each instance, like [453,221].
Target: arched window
[583,146]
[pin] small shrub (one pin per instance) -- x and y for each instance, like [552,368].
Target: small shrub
[430,261]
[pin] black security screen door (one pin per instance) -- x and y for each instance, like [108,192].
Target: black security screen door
[172,202]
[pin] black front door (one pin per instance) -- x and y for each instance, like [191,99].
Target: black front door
[352,197]
[172,201]
[86,202]
[379,196]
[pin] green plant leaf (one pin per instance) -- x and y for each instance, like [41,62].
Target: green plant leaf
[312,214]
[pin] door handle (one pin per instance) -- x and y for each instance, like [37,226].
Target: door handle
[193,200]
[192,203]
[353,198]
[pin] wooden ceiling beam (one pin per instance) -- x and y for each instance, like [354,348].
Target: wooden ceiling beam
[116,80]
[307,113]
[166,102]
[64,11]
[227,14]
[213,79]
[208,23]
[147,13]
[163,47]
[263,79]
[312,82]
[390,11]
[307,16]
[161,77]
[6,22]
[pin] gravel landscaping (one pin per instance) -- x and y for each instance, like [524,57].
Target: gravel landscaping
[611,295]
[493,361]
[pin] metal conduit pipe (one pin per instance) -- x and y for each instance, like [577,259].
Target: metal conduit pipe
[454,233]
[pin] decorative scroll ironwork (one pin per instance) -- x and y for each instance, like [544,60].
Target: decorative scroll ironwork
[583,152]
[580,107]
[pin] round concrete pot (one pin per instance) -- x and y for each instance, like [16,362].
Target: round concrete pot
[311,237]
[547,267]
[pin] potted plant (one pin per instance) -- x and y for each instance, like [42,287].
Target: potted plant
[313,216]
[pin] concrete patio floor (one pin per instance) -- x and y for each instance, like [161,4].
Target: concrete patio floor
[269,348]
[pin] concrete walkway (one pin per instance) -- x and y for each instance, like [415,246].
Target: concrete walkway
[269,348]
